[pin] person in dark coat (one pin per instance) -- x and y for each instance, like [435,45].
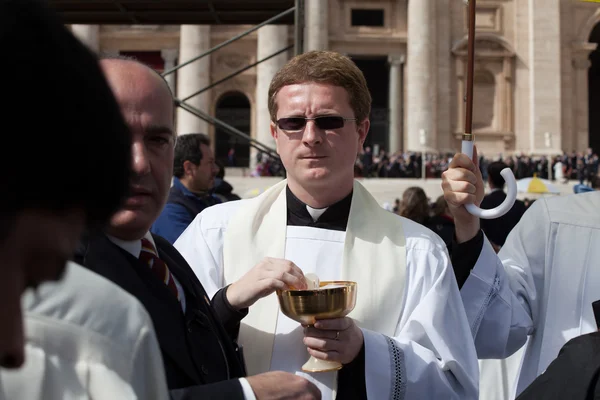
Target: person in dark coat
[442,222]
[223,189]
[574,374]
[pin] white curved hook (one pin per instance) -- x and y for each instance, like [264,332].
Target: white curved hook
[511,190]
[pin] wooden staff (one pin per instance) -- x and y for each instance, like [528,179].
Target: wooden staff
[468,137]
[468,133]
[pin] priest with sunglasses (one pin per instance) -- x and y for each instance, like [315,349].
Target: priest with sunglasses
[408,336]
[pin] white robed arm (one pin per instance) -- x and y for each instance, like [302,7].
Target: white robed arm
[500,295]
[499,322]
[431,355]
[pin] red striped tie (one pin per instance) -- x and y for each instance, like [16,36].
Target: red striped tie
[149,256]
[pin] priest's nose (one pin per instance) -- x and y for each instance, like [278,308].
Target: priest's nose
[312,134]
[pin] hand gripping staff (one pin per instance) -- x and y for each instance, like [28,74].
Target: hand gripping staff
[467,139]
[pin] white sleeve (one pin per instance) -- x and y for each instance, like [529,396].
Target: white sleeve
[500,295]
[247,389]
[432,355]
[202,248]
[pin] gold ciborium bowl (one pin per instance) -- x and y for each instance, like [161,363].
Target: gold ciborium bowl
[309,306]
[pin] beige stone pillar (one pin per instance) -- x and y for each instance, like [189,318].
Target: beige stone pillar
[581,65]
[396,97]
[545,111]
[170,56]
[316,25]
[444,80]
[271,38]
[421,79]
[194,40]
[521,78]
[89,35]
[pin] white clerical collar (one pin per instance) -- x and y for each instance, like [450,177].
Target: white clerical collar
[133,247]
[315,213]
[334,216]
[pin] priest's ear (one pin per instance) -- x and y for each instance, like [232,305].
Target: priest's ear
[362,128]
[275,134]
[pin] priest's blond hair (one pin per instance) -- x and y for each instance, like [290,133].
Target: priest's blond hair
[326,67]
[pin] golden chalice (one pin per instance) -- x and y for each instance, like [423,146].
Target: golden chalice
[333,299]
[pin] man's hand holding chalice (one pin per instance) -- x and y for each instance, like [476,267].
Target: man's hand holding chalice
[332,339]
[338,339]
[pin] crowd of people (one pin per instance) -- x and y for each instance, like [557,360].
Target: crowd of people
[578,166]
[98,304]
[569,166]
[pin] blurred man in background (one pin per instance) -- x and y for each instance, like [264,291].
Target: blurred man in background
[194,172]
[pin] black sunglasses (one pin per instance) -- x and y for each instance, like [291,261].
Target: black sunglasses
[326,122]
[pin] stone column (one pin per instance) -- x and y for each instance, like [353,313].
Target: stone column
[444,79]
[271,38]
[421,76]
[581,65]
[89,35]
[316,26]
[545,113]
[169,56]
[194,40]
[396,97]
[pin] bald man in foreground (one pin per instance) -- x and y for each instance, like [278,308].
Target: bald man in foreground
[201,360]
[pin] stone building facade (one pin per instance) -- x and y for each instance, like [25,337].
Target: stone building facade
[537,80]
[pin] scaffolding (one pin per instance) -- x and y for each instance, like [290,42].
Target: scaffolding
[298,12]
[195,12]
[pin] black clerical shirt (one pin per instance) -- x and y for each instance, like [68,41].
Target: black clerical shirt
[464,257]
[334,218]
[351,378]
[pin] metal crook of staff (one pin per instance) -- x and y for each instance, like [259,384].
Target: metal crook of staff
[468,137]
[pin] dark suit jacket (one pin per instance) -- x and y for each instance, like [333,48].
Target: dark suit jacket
[200,358]
[498,229]
[573,375]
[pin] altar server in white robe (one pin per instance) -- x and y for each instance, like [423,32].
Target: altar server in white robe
[86,338]
[540,286]
[408,336]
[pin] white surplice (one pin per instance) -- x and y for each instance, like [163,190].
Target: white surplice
[431,355]
[86,338]
[498,378]
[542,283]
